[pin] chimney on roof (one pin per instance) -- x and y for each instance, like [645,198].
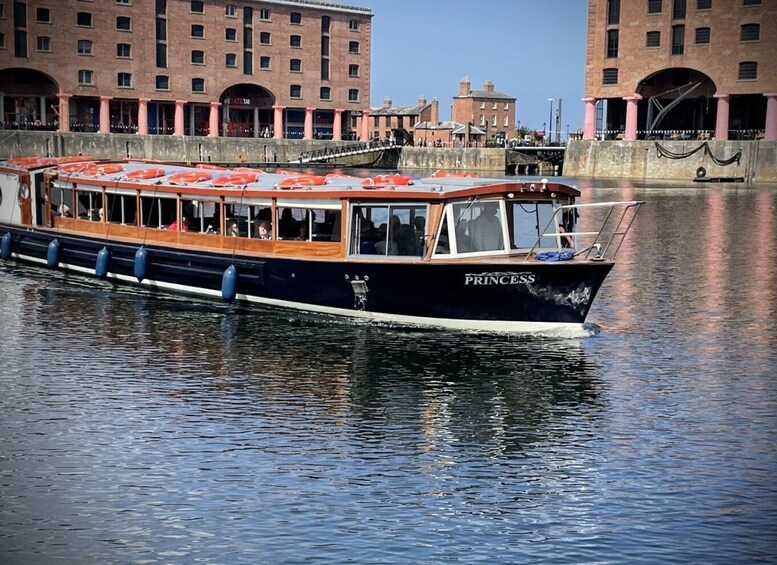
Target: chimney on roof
[387,102]
[488,86]
[464,86]
[422,100]
[435,117]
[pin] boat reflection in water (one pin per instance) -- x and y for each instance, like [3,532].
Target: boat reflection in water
[500,393]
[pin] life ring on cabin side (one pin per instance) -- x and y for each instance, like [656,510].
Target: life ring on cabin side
[301,181]
[701,172]
[24,192]
[210,167]
[143,174]
[188,178]
[76,167]
[109,169]
[236,179]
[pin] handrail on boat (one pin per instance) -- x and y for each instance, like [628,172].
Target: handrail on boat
[605,244]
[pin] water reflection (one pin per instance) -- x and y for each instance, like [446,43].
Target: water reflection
[498,393]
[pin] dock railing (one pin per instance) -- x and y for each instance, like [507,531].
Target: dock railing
[614,220]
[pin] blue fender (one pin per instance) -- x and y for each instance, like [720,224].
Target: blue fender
[6,247]
[141,261]
[229,284]
[101,267]
[52,256]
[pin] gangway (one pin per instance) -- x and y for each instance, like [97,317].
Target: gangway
[373,148]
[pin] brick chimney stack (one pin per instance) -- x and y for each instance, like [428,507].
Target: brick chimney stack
[488,86]
[464,87]
[387,102]
[435,118]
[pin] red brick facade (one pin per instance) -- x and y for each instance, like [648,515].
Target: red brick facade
[638,49]
[286,68]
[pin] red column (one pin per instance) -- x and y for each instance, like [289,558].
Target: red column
[631,117]
[365,130]
[337,127]
[589,123]
[277,124]
[105,114]
[771,117]
[721,120]
[213,119]
[178,122]
[308,123]
[143,116]
[64,112]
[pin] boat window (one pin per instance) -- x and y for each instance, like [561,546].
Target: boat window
[156,212]
[122,208]
[527,219]
[62,202]
[247,219]
[88,204]
[201,216]
[308,224]
[442,243]
[478,226]
[382,229]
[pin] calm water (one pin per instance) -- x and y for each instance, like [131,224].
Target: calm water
[140,428]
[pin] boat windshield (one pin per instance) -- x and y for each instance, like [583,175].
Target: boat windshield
[495,227]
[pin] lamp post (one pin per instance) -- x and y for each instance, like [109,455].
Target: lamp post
[550,123]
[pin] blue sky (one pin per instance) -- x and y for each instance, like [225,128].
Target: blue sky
[531,49]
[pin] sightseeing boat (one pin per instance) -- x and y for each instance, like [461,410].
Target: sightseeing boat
[449,250]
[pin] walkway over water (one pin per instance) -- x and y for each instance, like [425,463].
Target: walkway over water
[371,150]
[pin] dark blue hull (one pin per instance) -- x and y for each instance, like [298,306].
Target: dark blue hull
[481,295]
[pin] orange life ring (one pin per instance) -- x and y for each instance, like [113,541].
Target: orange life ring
[383,181]
[188,178]
[210,167]
[108,169]
[235,179]
[300,181]
[21,161]
[76,167]
[141,174]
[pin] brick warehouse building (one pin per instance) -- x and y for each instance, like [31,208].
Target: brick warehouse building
[249,68]
[702,66]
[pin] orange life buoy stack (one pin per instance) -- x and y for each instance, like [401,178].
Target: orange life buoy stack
[75,167]
[189,177]
[385,181]
[95,170]
[234,179]
[300,181]
[145,174]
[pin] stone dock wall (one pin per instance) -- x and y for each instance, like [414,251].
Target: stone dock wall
[638,160]
[642,160]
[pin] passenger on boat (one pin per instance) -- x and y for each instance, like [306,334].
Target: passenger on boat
[64,210]
[262,230]
[487,229]
[173,226]
[101,214]
[385,246]
[566,241]
[232,228]
[303,233]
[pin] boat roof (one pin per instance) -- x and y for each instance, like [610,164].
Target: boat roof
[207,178]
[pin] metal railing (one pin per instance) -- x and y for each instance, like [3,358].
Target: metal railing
[598,244]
